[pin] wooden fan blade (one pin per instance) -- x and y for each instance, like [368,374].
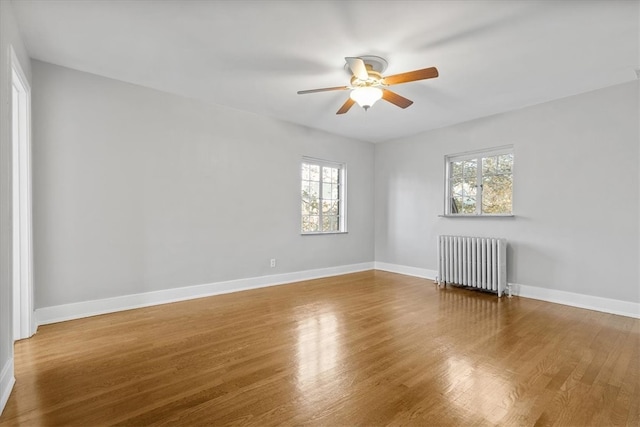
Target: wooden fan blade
[395,99]
[357,67]
[411,76]
[345,107]
[326,89]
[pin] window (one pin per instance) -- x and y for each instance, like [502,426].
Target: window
[480,183]
[322,193]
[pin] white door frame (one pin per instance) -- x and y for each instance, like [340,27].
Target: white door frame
[24,325]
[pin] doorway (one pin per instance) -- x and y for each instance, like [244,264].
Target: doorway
[22,252]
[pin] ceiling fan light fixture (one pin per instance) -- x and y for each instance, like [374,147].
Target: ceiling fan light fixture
[366,96]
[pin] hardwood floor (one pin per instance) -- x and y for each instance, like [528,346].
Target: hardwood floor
[370,348]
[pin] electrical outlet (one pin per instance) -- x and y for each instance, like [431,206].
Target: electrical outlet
[273,262]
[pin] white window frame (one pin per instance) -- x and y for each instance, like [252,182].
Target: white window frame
[342,194]
[479,155]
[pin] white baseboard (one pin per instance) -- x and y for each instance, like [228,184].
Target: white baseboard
[7,380]
[82,309]
[606,305]
[78,310]
[404,269]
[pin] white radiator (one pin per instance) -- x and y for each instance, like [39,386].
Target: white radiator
[476,262]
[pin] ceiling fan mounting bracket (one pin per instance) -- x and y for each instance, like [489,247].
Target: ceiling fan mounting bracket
[375,63]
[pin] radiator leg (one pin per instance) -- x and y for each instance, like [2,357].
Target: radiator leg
[438,282]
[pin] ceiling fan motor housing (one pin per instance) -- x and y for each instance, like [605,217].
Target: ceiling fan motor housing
[375,79]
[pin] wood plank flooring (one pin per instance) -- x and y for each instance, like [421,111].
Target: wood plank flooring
[371,348]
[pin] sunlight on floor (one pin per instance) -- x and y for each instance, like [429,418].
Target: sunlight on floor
[479,389]
[318,346]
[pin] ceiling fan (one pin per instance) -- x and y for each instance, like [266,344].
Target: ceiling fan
[368,85]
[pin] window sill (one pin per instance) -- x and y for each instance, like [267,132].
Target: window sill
[477,216]
[324,233]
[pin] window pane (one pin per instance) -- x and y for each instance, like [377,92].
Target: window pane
[327,191]
[330,175]
[468,205]
[505,163]
[463,190]
[326,223]
[456,169]
[314,172]
[470,168]
[469,187]
[314,189]
[330,223]
[489,165]
[314,206]
[497,192]
[306,189]
[330,207]
[310,223]
[326,174]
[309,200]
[305,171]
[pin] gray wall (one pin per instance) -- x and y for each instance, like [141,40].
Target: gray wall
[9,36]
[576,195]
[136,190]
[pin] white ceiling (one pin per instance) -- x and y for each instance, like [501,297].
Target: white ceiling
[493,56]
